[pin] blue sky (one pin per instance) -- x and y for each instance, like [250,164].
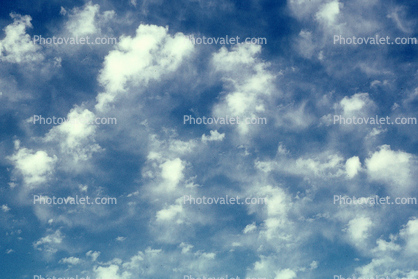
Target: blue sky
[300,81]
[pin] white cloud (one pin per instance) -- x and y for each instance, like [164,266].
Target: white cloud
[5,208]
[148,56]
[70,260]
[214,136]
[76,137]
[320,165]
[35,167]
[93,254]
[49,243]
[355,103]
[391,167]
[250,228]
[410,235]
[352,166]
[328,12]
[82,21]
[185,248]
[110,272]
[285,274]
[172,173]
[169,213]
[17,47]
[248,82]
[120,238]
[358,229]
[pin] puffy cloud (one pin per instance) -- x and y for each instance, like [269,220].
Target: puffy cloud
[172,173]
[148,56]
[35,167]
[248,81]
[328,12]
[356,103]
[17,47]
[358,229]
[110,272]
[410,235]
[285,274]
[393,168]
[169,213]
[214,136]
[76,136]
[87,20]
[352,166]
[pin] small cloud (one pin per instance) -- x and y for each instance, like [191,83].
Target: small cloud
[70,260]
[93,255]
[249,228]
[120,238]
[9,251]
[214,136]
[5,208]
[63,11]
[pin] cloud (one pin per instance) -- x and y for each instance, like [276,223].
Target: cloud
[148,56]
[323,165]
[285,274]
[352,166]
[17,46]
[5,208]
[35,167]
[358,228]
[110,272]
[248,81]
[49,243]
[172,173]
[93,254]
[120,238]
[214,136]
[356,103]
[394,168]
[76,137]
[328,12]
[169,213]
[70,260]
[86,20]
[410,235]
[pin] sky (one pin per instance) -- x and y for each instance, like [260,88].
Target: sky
[139,140]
